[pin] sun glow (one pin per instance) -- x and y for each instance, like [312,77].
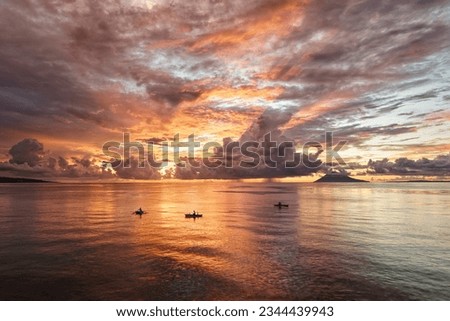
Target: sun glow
[150,4]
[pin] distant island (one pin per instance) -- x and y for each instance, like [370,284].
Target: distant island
[338,178]
[422,181]
[21,180]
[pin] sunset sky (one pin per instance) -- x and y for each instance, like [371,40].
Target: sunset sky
[75,74]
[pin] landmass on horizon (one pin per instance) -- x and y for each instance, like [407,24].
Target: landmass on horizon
[339,178]
[22,180]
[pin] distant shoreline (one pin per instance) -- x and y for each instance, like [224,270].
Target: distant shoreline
[419,181]
[21,180]
[324,179]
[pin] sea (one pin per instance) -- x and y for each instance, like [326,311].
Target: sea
[335,241]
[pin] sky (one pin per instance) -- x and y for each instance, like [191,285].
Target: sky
[75,74]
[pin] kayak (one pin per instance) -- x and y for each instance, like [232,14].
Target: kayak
[281,205]
[139,212]
[190,215]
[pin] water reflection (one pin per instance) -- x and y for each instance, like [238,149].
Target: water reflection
[335,241]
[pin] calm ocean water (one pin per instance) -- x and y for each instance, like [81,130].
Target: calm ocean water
[376,241]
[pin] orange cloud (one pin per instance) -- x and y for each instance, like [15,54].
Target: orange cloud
[215,123]
[275,22]
[243,93]
[438,116]
[425,150]
[325,105]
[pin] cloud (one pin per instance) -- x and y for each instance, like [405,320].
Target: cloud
[154,140]
[29,159]
[362,52]
[132,168]
[79,73]
[228,162]
[268,122]
[240,172]
[28,151]
[439,166]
